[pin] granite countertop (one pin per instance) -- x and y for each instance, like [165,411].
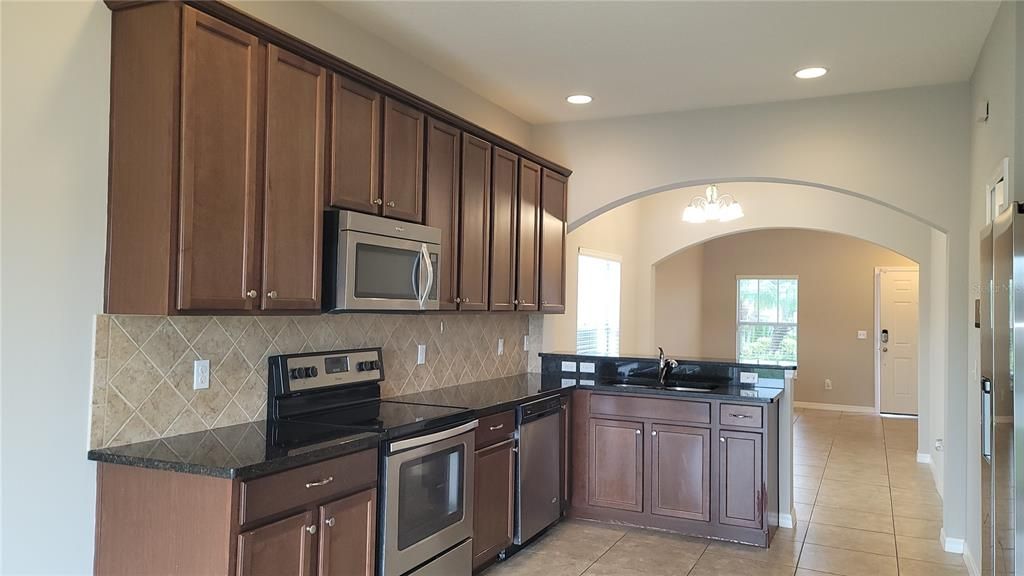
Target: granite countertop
[491,396]
[239,451]
[678,358]
[243,451]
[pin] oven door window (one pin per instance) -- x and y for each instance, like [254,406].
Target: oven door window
[385,272]
[431,495]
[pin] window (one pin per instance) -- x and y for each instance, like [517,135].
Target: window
[597,303]
[766,320]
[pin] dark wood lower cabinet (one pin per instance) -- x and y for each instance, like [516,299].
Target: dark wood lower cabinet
[681,471]
[493,504]
[670,464]
[740,486]
[616,475]
[348,531]
[281,548]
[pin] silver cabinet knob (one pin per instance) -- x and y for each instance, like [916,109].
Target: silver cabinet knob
[637,432]
[330,522]
[311,528]
[378,201]
[654,432]
[465,300]
[721,439]
[272,294]
[251,293]
[884,349]
[458,300]
[391,204]
[516,302]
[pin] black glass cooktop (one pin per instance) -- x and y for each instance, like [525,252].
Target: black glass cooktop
[393,419]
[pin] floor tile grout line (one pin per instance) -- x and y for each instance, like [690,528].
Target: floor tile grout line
[596,560]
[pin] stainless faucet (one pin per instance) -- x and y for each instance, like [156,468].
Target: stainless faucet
[665,365]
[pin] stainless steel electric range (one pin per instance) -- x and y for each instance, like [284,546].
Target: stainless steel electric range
[425,514]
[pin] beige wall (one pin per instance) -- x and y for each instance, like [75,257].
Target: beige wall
[836,300]
[678,287]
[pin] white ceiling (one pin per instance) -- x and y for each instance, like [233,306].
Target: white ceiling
[645,57]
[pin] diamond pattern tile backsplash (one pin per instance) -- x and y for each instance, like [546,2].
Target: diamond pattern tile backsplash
[142,367]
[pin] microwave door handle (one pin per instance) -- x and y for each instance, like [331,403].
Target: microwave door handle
[416,276]
[425,258]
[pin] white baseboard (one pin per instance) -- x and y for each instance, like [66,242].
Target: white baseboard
[835,407]
[923,458]
[972,566]
[786,520]
[951,545]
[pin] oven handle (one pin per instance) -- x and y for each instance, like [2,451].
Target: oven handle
[402,445]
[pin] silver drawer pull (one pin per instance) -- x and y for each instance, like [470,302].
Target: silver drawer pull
[740,416]
[323,482]
[498,427]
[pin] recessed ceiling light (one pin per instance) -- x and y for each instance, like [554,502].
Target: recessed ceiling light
[578,99]
[812,72]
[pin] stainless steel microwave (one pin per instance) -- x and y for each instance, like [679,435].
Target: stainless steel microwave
[374,263]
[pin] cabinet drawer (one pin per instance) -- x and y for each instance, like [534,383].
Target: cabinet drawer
[651,408]
[297,487]
[740,415]
[495,428]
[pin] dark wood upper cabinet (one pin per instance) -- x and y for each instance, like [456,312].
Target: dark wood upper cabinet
[442,204]
[616,455]
[403,161]
[348,535]
[740,486]
[474,224]
[218,212]
[681,471]
[294,192]
[528,236]
[282,548]
[355,146]
[552,242]
[494,501]
[503,230]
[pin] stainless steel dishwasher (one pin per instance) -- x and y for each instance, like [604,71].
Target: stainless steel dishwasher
[538,467]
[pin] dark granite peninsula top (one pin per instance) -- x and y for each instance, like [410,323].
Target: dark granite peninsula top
[491,396]
[240,451]
[683,360]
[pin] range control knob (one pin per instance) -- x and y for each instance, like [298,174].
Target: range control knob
[368,365]
[310,372]
[296,374]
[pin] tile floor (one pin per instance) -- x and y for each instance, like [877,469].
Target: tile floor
[865,508]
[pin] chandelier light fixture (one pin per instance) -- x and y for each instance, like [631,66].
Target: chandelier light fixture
[712,207]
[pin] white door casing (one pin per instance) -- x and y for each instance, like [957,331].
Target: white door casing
[897,358]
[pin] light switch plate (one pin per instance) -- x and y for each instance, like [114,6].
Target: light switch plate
[526,343]
[862,335]
[748,377]
[501,346]
[200,374]
[421,354]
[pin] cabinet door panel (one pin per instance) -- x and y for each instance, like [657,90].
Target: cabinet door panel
[528,236]
[681,472]
[293,196]
[474,226]
[216,252]
[348,535]
[403,161]
[503,230]
[442,205]
[493,502]
[740,486]
[355,146]
[282,548]
[616,457]
[552,242]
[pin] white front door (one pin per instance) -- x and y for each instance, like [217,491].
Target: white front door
[897,340]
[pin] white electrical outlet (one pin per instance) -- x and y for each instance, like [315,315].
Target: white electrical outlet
[200,374]
[862,334]
[828,383]
[748,377]
[421,354]
[501,346]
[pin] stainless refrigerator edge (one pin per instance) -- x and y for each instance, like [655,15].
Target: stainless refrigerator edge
[1002,332]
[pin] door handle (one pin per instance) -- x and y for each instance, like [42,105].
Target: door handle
[986,418]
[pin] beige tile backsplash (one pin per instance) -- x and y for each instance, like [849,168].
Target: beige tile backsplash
[142,375]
